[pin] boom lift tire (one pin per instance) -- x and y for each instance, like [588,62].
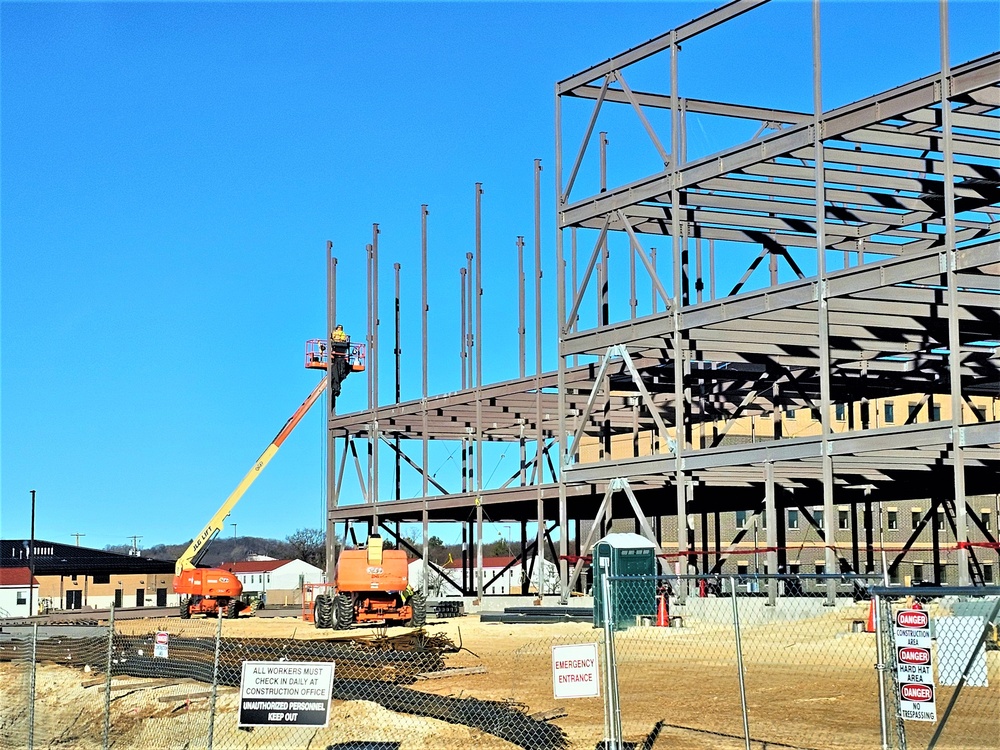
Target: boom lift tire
[186,608]
[419,604]
[345,611]
[323,612]
[233,609]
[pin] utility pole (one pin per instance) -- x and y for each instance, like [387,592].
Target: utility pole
[234,531]
[78,538]
[134,552]
[31,560]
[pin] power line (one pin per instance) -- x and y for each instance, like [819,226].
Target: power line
[78,538]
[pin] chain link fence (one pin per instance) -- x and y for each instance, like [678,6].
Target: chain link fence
[692,662]
[942,667]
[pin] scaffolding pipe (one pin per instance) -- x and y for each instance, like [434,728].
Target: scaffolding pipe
[954,338]
[425,514]
[561,364]
[824,304]
[373,359]
[540,539]
[477,342]
[519,242]
[332,491]
[397,352]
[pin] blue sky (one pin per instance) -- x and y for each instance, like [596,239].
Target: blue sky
[171,172]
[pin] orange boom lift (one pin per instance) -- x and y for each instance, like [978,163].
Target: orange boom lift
[209,590]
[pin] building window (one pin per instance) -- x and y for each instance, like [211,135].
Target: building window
[940,520]
[793,568]
[988,573]
[894,576]
[102,579]
[978,412]
[936,413]
[789,412]
[918,572]
[893,520]
[985,518]
[912,411]
[820,569]
[843,519]
[742,569]
[839,412]
[74,579]
[741,519]
[943,574]
[818,518]
[22,598]
[816,416]
[889,412]
[793,519]
[914,519]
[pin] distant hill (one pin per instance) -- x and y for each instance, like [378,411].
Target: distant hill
[305,544]
[227,549]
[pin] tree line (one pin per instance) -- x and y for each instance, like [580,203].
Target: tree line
[305,544]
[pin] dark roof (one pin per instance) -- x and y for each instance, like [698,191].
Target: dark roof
[53,558]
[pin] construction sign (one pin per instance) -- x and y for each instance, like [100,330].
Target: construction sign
[914,665]
[161,645]
[575,672]
[285,693]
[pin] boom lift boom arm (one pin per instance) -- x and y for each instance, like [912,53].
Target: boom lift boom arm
[199,544]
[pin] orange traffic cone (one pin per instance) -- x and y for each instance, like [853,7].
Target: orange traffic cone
[870,625]
[662,614]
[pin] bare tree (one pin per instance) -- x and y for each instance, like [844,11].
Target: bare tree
[309,545]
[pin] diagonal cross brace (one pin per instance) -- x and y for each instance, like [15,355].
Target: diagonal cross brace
[617,350]
[588,543]
[650,269]
[642,118]
[647,531]
[402,454]
[586,139]
[578,300]
[622,352]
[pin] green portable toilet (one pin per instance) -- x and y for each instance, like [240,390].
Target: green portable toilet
[627,555]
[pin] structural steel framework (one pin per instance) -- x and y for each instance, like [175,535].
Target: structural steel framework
[900,191]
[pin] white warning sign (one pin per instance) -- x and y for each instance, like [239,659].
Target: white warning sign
[914,665]
[575,672]
[285,693]
[161,645]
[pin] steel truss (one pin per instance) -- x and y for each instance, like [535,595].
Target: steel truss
[904,185]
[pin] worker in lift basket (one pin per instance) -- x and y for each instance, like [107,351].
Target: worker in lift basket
[340,342]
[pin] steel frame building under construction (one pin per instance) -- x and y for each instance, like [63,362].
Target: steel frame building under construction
[901,192]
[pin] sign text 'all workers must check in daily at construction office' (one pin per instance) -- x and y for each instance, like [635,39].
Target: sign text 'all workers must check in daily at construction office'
[285,693]
[574,671]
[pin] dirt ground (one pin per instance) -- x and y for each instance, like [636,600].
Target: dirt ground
[808,684]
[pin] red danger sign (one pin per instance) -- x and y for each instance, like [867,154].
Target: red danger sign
[914,655]
[912,619]
[162,637]
[917,692]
